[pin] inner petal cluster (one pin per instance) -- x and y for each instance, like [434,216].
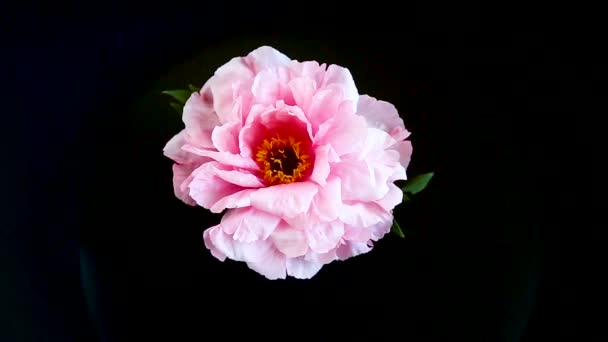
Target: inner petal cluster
[282,160]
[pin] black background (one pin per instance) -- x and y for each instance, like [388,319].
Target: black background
[96,247]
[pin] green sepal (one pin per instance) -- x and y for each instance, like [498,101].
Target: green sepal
[397,229]
[180,95]
[418,183]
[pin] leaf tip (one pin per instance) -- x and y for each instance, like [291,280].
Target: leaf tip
[397,229]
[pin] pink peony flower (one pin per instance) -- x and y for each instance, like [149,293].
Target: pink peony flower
[302,165]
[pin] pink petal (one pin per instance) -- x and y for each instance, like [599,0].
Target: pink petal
[376,141]
[399,133]
[351,249]
[206,188]
[324,237]
[393,197]
[273,266]
[286,116]
[249,224]
[266,87]
[345,132]
[235,66]
[363,214]
[322,258]
[321,166]
[324,105]
[181,178]
[225,137]
[380,114]
[405,152]
[223,246]
[326,205]
[251,133]
[173,150]
[209,243]
[226,158]
[380,229]
[219,89]
[239,199]
[307,69]
[200,119]
[240,178]
[285,200]
[266,57]
[290,241]
[301,268]
[271,85]
[302,90]
[302,221]
[362,181]
[243,98]
[398,174]
[357,234]
[337,75]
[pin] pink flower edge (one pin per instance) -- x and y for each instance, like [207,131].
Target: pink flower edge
[300,163]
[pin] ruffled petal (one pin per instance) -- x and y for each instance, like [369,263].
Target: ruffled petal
[173,150]
[321,166]
[285,200]
[273,266]
[266,57]
[271,85]
[239,199]
[181,179]
[226,158]
[380,229]
[302,90]
[393,197]
[350,249]
[405,152]
[362,181]
[327,204]
[301,268]
[290,241]
[382,115]
[363,214]
[210,188]
[325,236]
[249,224]
[357,234]
[324,105]
[200,119]
[225,137]
[238,177]
[223,246]
[345,132]
[322,258]
[340,76]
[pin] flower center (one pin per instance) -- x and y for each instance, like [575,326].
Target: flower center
[282,160]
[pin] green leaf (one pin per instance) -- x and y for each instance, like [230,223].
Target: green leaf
[397,229]
[178,107]
[406,197]
[418,183]
[193,88]
[180,95]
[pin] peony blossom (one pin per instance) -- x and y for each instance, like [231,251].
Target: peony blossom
[302,166]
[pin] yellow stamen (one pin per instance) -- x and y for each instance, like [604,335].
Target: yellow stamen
[282,160]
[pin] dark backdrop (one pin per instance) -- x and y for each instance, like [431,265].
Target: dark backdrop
[97,248]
